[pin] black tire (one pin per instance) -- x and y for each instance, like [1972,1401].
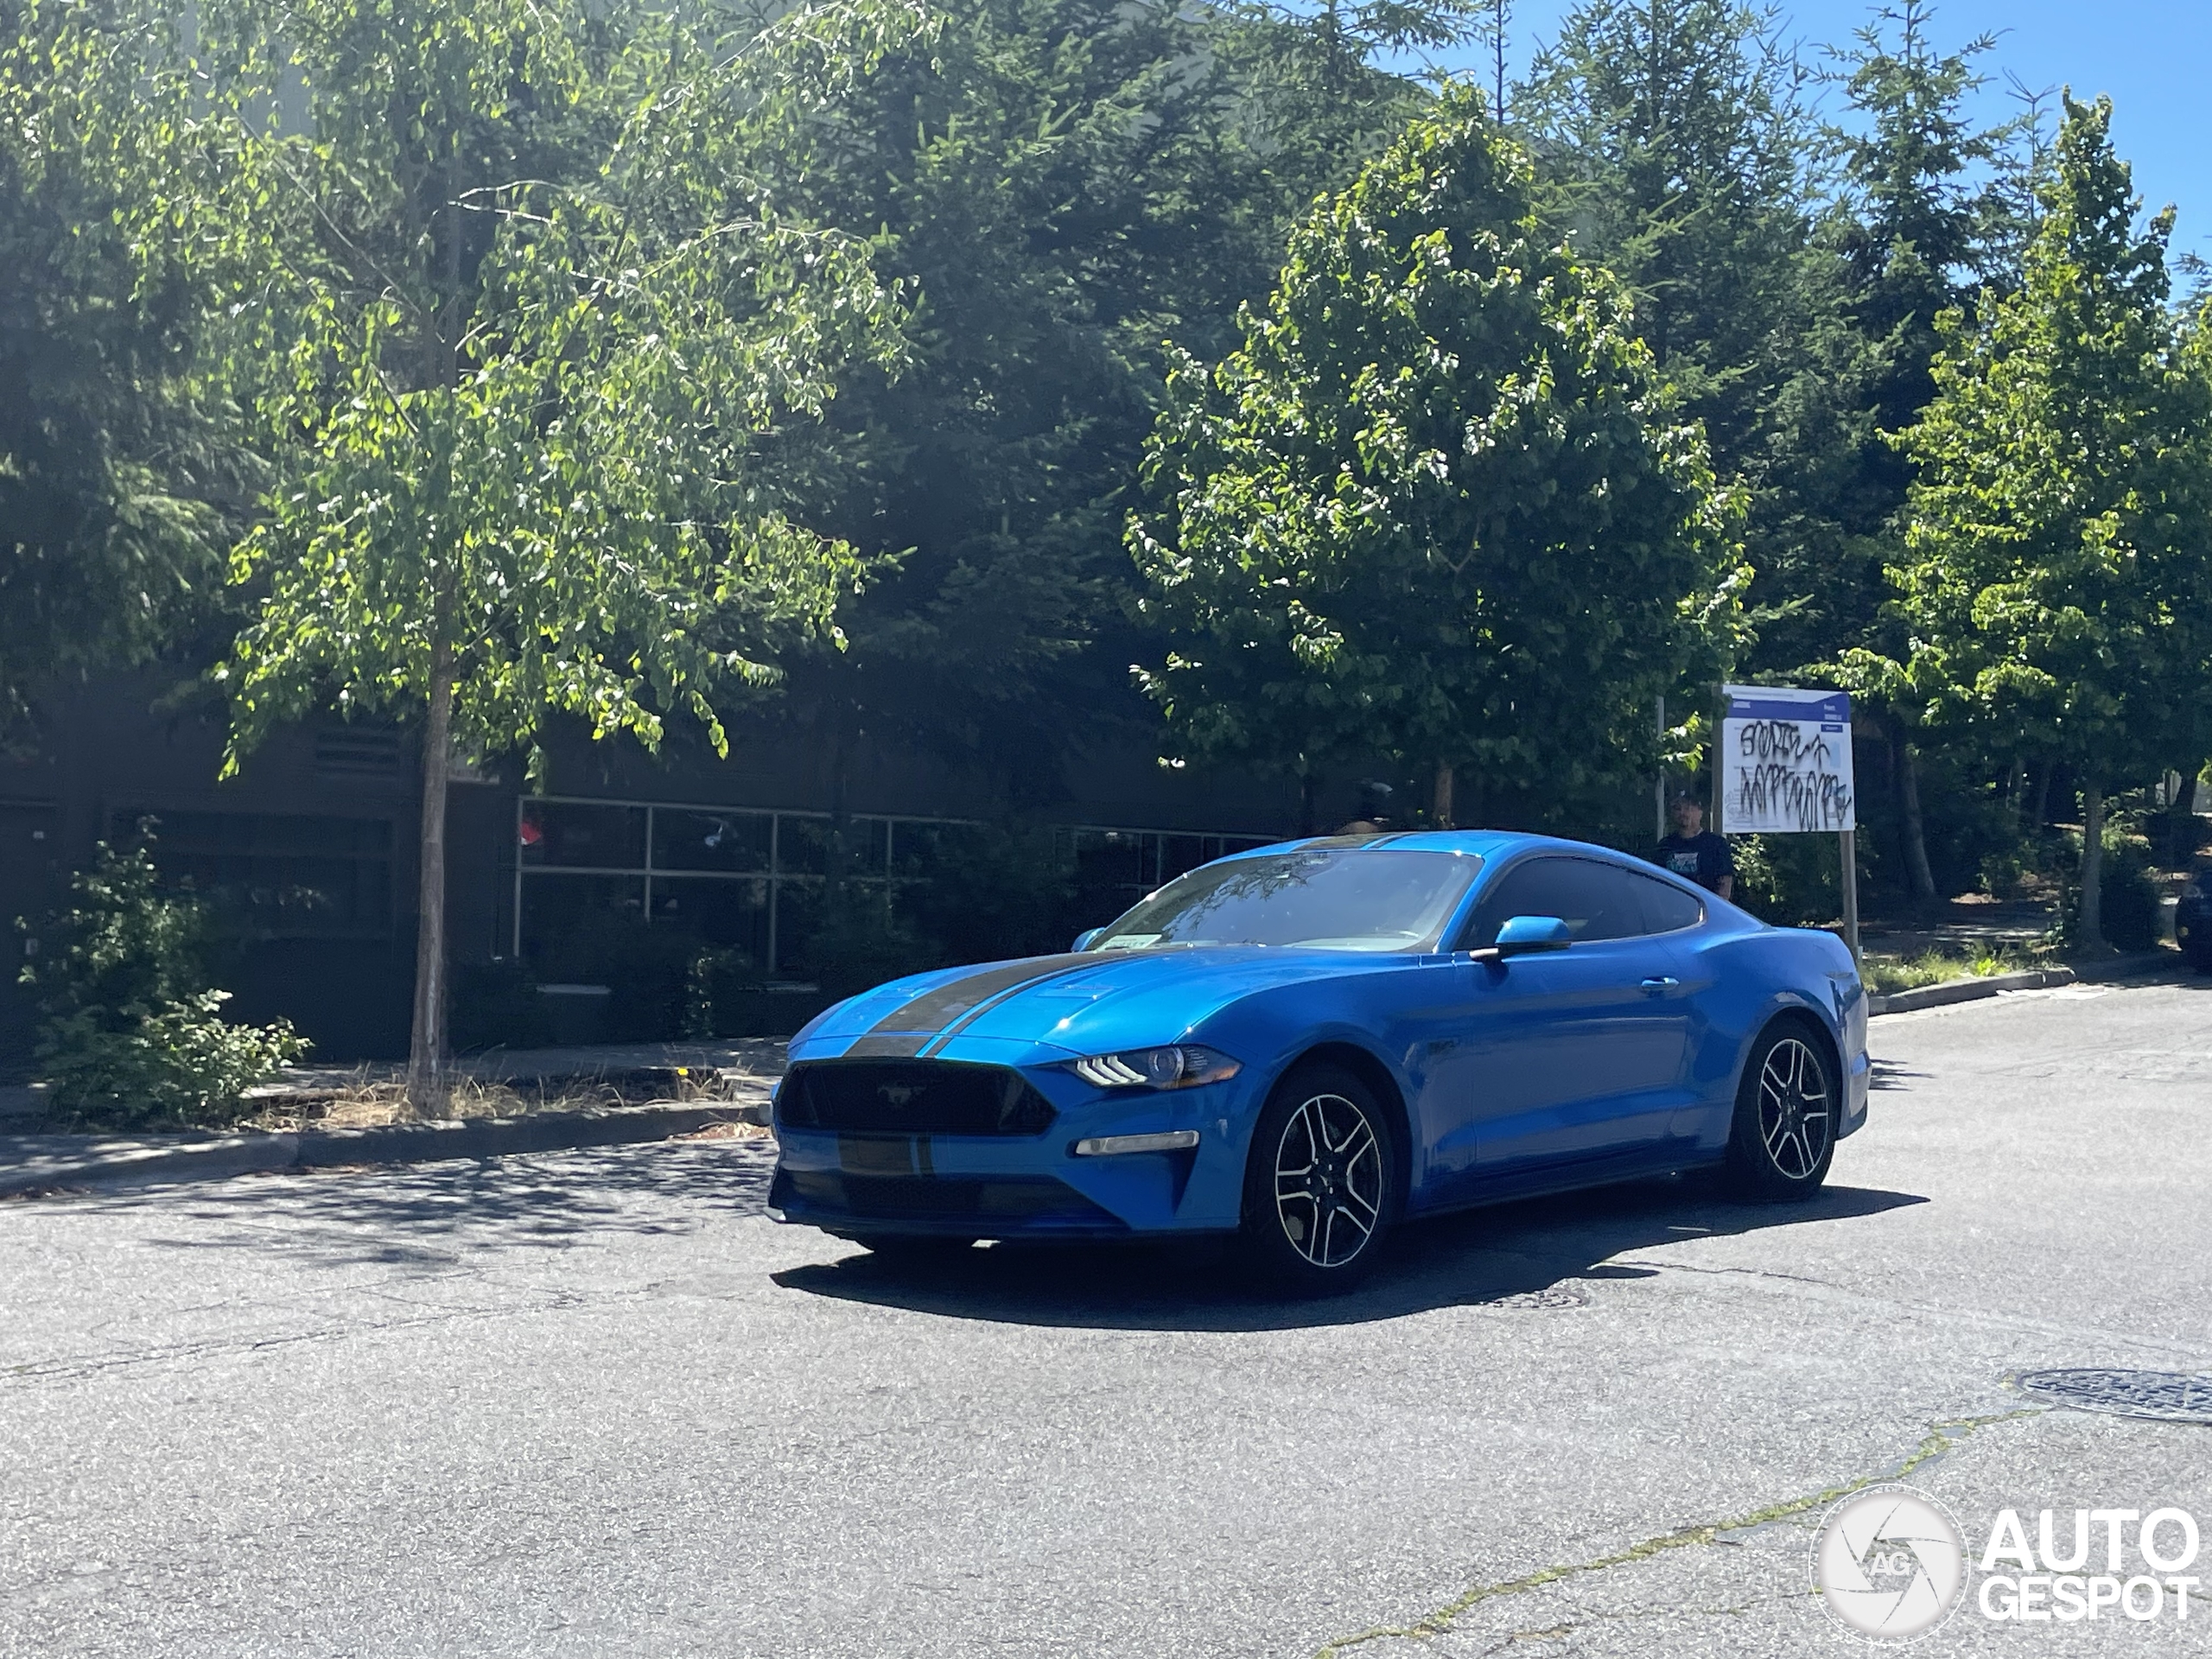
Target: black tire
[1787,1109]
[1320,1183]
[914,1250]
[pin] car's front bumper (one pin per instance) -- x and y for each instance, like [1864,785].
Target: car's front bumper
[1029,1186]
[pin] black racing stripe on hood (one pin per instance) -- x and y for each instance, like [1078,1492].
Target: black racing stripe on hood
[945,1002]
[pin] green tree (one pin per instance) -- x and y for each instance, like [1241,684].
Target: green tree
[1674,136]
[118,467]
[1313,91]
[1063,186]
[1910,238]
[533,313]
[1435,506]
[2056,584]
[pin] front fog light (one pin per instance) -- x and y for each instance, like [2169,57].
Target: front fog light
[1112,1146]
[1183,1065]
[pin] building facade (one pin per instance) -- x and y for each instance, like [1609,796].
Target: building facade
[308,857]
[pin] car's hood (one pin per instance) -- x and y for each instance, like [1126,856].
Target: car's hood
[1089,1002]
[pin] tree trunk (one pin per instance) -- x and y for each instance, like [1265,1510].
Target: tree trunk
[1308,786]
[1439,810]
[2039,803]
[2093,866]
[1916,841]
[2181,838]
[426,1055]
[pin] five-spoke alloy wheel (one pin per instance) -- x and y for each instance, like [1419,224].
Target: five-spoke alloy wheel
[1786,1114]
[1321,1189]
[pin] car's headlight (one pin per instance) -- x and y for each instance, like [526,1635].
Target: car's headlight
[1182,1066]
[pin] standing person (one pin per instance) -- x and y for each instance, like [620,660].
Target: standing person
[1694,852]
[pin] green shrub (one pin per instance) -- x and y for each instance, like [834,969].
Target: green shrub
[181,1062]
[496,1005]
[2130,895]
[645,967]
[862,947]
[721,992]
[1790,880]
[997,891]
[133,1036]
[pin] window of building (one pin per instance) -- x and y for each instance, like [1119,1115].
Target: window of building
[277,876]
[756,882]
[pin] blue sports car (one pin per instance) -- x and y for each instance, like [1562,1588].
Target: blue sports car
[1306,1043]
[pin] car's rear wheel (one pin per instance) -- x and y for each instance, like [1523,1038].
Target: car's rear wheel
[1320,1186]
[1787,1109]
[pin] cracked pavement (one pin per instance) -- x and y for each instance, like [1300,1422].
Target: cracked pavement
[594,1404]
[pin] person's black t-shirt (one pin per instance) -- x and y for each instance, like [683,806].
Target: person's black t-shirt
[1704,858]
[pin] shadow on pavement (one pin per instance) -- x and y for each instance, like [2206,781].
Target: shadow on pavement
[433,1212]
[1512,1254]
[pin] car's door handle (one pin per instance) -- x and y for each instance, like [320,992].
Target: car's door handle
[1663,982]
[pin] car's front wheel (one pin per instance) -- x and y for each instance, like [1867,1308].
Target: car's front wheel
[1321,1188]
[1787,1109]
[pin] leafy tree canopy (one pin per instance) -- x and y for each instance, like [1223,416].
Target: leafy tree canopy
[1435,506]
[2058,578]
[119,471]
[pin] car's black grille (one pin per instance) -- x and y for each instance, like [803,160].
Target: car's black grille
[938,1198]
[911,1097]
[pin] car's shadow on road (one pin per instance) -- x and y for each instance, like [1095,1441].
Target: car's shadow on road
[1516,1255]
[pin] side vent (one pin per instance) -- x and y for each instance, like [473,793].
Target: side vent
[357,751]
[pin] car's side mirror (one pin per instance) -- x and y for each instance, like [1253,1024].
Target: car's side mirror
[1523,934]
[1085,939]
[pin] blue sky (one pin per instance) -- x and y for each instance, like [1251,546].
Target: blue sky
[2154,57]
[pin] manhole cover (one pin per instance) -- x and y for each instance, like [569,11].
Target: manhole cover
[2167,1397]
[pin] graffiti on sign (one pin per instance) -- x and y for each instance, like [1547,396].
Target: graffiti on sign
[1785,761]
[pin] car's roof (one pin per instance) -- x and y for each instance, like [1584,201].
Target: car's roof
[1483,843]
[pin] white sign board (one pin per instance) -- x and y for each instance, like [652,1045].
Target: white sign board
[1785,761]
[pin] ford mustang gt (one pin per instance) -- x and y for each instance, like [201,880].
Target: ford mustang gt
[1305,1044]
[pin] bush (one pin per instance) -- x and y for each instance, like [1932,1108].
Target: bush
[647,968]
[998,891]
[721,992]
[133,1036]
[1790,880]
[496,1005]
[2129,894]
[862,947]
[181,1063]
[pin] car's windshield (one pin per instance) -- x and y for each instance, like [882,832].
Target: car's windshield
[1336,900]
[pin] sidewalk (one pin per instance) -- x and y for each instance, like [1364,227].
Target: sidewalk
[651,1090]
[730,1083]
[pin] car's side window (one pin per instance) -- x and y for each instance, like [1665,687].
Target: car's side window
[1667,908]
[1597,901]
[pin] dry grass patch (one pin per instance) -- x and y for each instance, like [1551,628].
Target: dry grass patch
[374,1102]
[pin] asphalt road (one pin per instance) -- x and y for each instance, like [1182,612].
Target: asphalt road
[594,1404]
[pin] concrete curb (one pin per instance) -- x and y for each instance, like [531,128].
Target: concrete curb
[2032,979]
[30,1163]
